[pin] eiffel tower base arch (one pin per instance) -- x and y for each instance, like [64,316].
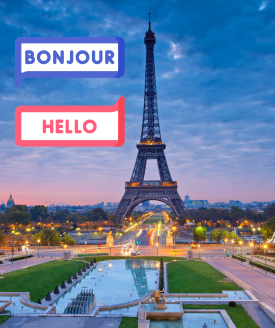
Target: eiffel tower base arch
[133,196]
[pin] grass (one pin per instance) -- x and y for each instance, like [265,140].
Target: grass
[238,314]
[39,279]
[196,277]
[129,322]
[153,258]
[154,221]
[4,318]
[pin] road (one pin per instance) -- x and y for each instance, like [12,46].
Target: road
[145,240]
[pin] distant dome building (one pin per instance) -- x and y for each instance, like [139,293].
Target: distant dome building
[10,202]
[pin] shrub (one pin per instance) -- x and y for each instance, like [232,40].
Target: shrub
[262,266]
[18,258]
[56,290]
[232,304]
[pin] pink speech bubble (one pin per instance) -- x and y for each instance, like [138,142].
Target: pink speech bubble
[70,126]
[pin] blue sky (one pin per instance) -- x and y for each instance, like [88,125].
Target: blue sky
[215,81]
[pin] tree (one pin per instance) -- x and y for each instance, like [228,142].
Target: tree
[112,218]
[4,220]
[20,208]
[39,211]
[18,217]
[47,236]
[268,228]
[62,215]
[199,234]
[2,237]
[68,240]
[82,219]
[236,213]
[97,214]
[74,217]
[269,212]
[218,235]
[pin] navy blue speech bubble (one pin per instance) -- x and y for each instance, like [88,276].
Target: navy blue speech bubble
[68,57]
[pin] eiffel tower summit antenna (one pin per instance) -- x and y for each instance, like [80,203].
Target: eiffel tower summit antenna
[137,190]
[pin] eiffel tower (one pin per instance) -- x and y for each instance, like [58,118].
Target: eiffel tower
[150,147]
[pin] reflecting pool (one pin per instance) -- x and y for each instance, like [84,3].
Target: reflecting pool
[232,296]
[198,320]
[17,307]
[132,310]
[120,281]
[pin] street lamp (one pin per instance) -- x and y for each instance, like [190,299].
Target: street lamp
[224,245]
[26,250]
[100,238]
[199,246]
[110,249]
[241,242]
[174,228]
[233,243]
[12,252]
[38,240]
[157,244]
[251,245]
[265,247]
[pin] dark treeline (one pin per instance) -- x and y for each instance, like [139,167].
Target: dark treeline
[219,217]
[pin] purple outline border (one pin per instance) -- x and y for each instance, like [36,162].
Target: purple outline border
[20,77]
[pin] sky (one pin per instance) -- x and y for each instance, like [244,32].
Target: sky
[216,97]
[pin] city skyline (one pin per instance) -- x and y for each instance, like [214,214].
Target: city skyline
[105,202]
[215,99]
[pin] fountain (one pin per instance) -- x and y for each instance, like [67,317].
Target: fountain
[159,304]
[160,309]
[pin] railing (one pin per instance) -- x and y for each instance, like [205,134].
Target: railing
[151,184]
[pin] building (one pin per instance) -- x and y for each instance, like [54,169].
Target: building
[10,202]
[187,199]
[235,203]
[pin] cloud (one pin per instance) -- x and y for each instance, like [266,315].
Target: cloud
[176,51]
[215,84]
[263,5]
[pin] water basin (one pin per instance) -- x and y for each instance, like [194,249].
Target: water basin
[132,310]
[120,282]
[192,320]
[17,307]
[197,320]
[232,296]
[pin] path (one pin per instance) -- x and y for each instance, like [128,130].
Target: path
[56,322]
[22,264]
[263,284]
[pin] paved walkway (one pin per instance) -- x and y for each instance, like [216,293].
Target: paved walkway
[258,315]
[57,322]
[261,283]
[17,265]
[246,264]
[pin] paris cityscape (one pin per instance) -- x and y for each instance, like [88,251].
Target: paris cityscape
[108,239]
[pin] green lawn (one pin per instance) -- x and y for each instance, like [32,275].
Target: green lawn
[39,279]
[154,258]
[4,318]
[238,314]
[154,221]
[129,322]
[196,277]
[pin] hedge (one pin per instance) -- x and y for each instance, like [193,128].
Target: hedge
[92,254]
[18,258]
[161,275]
[237,257]
[262,266]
